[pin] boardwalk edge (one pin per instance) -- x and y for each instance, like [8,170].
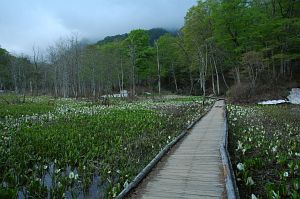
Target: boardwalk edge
[136,181]
[231,187]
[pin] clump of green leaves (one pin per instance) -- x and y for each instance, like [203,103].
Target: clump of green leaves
[265,143]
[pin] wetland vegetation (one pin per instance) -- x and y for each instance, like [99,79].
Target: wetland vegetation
[265,150]
[78,149]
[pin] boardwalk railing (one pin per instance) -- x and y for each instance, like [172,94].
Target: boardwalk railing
[231,187]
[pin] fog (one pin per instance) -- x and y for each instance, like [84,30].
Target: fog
[24,24]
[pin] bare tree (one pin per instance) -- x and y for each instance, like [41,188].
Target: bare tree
[158,66]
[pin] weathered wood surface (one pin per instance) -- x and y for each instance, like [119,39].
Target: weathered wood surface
[194,168]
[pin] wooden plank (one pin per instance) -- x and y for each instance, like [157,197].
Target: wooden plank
[194,168]
[173,194]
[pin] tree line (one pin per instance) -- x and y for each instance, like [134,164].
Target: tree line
[224,45]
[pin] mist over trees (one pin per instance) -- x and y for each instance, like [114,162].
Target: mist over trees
[224,47]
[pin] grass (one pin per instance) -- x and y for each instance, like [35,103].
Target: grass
[15,106]
[79,148]
[265,150]
[19,110]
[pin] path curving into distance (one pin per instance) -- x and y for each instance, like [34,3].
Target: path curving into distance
[193,169]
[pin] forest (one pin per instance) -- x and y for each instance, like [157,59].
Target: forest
[236,48]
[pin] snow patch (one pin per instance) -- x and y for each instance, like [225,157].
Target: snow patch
[272,102]
[294,96]
[123,93]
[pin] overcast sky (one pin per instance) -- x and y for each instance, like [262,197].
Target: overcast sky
[24,23]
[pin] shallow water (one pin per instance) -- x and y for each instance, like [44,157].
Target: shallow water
[96,189]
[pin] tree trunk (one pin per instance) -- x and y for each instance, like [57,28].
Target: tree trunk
[15,83]
[201,69]
[133,81]
[213,83]
[237,75]
[122,75]
[217,74]
[224,80]
[94,84]
[191,80]
[133,69]
[120,85]
[174,76]
[204,76]
[31,89]
[55,82]
[158,67]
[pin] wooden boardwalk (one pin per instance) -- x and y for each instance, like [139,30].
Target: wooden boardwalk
[193,169]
